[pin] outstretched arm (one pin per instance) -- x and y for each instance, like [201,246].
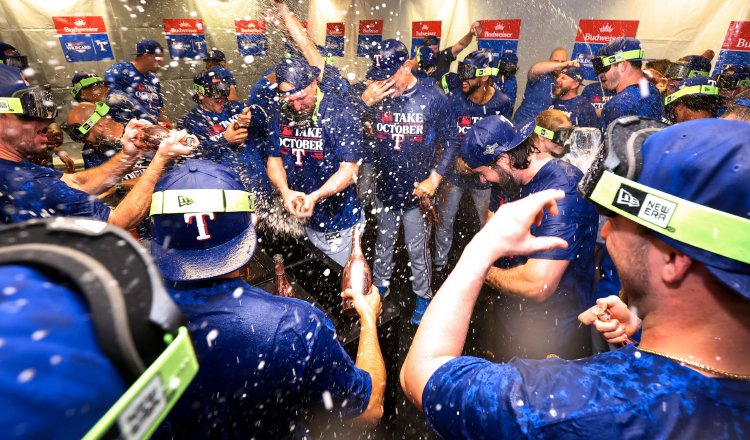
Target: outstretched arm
[544,67]
[442,332]
[476,30]
[300,37]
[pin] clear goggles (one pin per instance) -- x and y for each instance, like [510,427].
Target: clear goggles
[32,102]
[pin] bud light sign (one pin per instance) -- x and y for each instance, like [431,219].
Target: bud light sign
[335,39]
[595,34]
[83,38]
[185,38]
[370,34]
[251,37]
[499,36]
[736,47]
[421,30]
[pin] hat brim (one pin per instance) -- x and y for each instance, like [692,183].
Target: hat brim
[201,264]
[523,133]
[381,74]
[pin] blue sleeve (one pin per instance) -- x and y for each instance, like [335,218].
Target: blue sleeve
[347,136]
[325,375]
[55,382]
[117,77]
[588,116]
[52,195]
[566,225]
[512,92]
[123,108]
[447,132]
[333,82]
[273,141]
[471,398]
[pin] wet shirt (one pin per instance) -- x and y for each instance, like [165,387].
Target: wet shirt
[248,159]
[596,95]
[407,131]
[123,108]
[509,87]
[579,110]
[145,88]
[29,191]
[629,102]
[623,394]
[312,155]
[466,114]
[536,98]
[534,329]
[263,360]
[55,382]
[443,62]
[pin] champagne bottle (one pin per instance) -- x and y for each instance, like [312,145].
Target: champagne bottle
[281,286]
[154,134]
[356,274]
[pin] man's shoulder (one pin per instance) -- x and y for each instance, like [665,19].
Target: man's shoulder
[24,171]
[558,174]
[121,68]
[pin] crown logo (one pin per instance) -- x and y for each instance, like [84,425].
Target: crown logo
[80,22]
[606,28]
[499,27]
[251,25]
[184,24]
[425,27]
[370,26]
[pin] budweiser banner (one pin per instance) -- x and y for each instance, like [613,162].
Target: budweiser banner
[595,34]
[370,34]
[335,39]
[83,38]
[251,37]
[736,47]
[499,36]
[422,29]
[185,37]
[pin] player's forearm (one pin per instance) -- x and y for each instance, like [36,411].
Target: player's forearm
[136,203]
[276,174]
[96,180]
[339,181]
[370,359]
[543,68]
[299,35]
[521,281]
[462,43]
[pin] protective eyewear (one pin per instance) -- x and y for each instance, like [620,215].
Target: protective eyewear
[467,71]
[16,60]
[559,136]
[214,90]
[78,132]
[201,200]
[611,184]
[728,81]
[32,102]
[682,71]
[507,69]
[86,82]
[603,64]
[693,90]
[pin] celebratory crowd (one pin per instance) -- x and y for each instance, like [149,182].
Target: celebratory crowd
[621,204]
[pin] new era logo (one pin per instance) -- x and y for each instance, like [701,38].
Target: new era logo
[490,149]
[184,201]
[627,199]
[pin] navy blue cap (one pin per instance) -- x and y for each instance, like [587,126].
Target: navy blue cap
[509,58]
[6,46]
[708,164]
[297,72]
[387,58]
[180,249]
[622,44]
[574,72]
[11,81]
[479,58]
[450,81]
[696,81]
[426,56]
[741,71]
[207,78]
[144,47]
[215,55]
[486,141]
[697,63]
[430,40]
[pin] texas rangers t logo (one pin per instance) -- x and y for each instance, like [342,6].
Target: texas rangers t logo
[200,220]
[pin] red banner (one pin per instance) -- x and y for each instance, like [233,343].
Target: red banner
[183,26]
[335,29]
[738,36]
[501,29]
[371,27]
[421,29]
[604,31]
[250,27]
[79,25]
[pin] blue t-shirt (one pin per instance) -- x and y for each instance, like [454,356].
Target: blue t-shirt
[509,87]
[145,88]
[263,360]
[312,155]
[466,114]
[407,130]
[596,95]
[224,74]
[579,110]
[629,102]
[536,329]
[536,98]
[55,382]
[123,108]
[623,394]
[29,191]
[248,159]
